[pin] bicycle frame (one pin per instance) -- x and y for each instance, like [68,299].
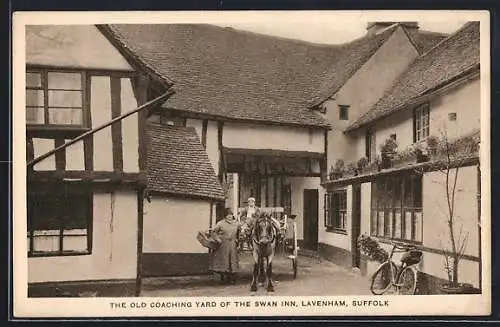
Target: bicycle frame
[395,275]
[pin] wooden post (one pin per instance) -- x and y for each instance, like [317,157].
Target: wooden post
[140,236]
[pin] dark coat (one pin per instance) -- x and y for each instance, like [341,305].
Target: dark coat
[225,258]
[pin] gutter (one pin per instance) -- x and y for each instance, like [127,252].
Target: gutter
[470,73]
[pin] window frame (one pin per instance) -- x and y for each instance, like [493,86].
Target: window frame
[44,76]
[344,111]
[82,192]
[370,146]
[421,122]
[332,219]
[395,229]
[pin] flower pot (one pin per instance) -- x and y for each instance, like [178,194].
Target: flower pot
[462,288]
[386,162]
[422,158]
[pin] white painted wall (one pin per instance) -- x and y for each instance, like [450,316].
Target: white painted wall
[100,105]
[298,185]
[171,225]
[255,136]
[41,147]
[435,209]
[463,100]
[130,128]
[212,147]
[114,245]
[363,90]
[71,46]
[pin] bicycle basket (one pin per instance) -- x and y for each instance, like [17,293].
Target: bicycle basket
[411,257]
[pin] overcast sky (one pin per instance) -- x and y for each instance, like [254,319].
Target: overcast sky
[334,28]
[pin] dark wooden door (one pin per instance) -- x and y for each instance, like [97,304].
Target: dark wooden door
[311,219]
[356,224]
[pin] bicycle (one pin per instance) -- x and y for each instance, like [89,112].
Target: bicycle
[402,278]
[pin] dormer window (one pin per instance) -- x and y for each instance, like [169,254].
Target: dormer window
[343,112]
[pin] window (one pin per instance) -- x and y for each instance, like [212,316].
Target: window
[55,98]
[336,210]
[452,116]
[421,123]
[59,222]
[396,207]
[343,112]
[370,147]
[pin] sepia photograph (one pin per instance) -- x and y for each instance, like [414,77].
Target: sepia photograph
[327,163]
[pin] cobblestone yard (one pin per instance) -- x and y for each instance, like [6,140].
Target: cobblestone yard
[314,277]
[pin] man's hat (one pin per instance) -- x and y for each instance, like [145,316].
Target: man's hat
[228,211]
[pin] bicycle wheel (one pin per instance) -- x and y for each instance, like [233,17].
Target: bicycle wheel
[407,281]
[381,279]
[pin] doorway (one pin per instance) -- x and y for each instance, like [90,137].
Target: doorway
[356,224]
[311,219]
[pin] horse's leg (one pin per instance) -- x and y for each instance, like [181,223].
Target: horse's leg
[262,275]
[270,287]
[253,285]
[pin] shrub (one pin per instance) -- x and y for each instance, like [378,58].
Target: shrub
[372,249]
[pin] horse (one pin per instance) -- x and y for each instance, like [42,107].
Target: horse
[264,240]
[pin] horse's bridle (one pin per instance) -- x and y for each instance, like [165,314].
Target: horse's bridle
[272,228]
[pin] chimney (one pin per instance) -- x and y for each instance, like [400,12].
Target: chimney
[376,27]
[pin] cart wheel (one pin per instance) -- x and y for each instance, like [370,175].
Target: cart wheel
[294,263]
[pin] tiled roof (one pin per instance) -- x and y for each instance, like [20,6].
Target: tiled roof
[451,58]
[424,40]
[243,75]
[178,164]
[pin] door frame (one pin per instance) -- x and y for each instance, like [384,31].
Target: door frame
[310,243]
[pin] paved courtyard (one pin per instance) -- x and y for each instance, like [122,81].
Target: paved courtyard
[315,277]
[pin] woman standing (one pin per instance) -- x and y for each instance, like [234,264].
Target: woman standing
[225,258]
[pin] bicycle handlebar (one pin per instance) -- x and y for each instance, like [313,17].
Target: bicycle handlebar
[403,246]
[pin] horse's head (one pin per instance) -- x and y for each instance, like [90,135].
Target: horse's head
[264,232]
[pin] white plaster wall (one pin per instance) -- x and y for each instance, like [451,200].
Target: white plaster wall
[435,210]
[298,184]
[463,100]
[100,105]
[41,147]
[72,46]
[75,156]
[362,91]
[171,225]
[272,137]
[370,82]
[336,239]
[212,147]
[114,250]
[130,128]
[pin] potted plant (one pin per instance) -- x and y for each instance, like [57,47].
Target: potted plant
[361,164]
[432,145]
[457,238]
[388,151]
[351,169]
[421,153]
[371,248]
[337,171]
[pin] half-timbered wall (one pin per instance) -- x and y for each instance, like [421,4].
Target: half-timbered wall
[114,242]
[113,149]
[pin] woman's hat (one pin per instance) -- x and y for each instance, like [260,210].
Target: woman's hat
[251,199]
[228,211]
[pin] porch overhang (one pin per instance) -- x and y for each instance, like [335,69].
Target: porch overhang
[273,162]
